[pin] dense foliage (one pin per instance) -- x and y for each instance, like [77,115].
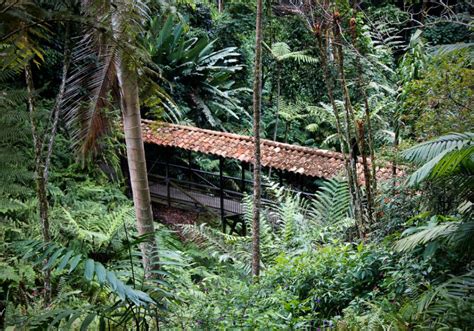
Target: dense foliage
[400,81]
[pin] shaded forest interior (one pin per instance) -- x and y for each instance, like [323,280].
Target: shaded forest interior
[236,165]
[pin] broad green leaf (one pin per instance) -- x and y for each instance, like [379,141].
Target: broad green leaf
[74,262]
[89,269]
[100,272]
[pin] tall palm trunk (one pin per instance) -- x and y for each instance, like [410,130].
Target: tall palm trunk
[257,105]
[137,163]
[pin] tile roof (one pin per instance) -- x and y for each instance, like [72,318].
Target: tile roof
[307,161]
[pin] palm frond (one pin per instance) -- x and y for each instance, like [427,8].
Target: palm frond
[426,234]
[426,151]
[87,94]
[455,157]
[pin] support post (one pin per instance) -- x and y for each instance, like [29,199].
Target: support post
[221,188]
[190,170]
[242,182]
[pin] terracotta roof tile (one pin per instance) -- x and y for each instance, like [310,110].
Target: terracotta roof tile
[311,162]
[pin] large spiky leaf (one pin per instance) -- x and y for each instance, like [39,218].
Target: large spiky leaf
[445,156]
[426,151]
[426,234]
[87,94]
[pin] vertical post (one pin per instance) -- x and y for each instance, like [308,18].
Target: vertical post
[190,170]
[221,188]
[242,182]
[167,180]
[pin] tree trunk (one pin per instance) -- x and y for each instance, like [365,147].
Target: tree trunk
[137,163]
[349,116]
[396,139]
[330,85]
[257,105]
[277,111]
[365,165]
[40,182]
[371,177]
[220,5]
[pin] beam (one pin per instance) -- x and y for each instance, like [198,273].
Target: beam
[221,193]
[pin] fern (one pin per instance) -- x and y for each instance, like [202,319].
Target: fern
[61,259]
[332,202]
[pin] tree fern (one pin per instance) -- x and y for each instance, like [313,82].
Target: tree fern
[281,52]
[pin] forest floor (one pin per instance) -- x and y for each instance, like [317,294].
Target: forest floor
[173,217]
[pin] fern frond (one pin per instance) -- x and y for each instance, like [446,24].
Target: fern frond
[332,202]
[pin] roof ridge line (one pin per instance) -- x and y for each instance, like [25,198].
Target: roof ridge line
[306,149]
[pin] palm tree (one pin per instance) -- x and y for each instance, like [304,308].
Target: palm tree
[448,161]
[117,72]
[281,52]
[130,104]
[257,105]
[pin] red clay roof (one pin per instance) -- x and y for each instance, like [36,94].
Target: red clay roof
[307,161]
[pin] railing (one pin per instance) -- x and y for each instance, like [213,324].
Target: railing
[212,192]
[209,181]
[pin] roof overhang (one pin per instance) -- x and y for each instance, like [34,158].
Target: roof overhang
[312,162]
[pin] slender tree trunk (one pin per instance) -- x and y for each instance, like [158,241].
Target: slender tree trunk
[40,182]
[43,152]
[277,111]
[330,85]
[137,163]
[257,105]
[395,149]
[372,187]
[349,116]
[343,133]
[365,165]
[344,138]
[220,5]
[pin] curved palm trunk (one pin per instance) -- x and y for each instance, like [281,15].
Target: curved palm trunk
[257,104]
[137,163]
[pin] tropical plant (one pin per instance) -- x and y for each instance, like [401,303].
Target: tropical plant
[281,52]
[445,156]
[115,70]
[198,75]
